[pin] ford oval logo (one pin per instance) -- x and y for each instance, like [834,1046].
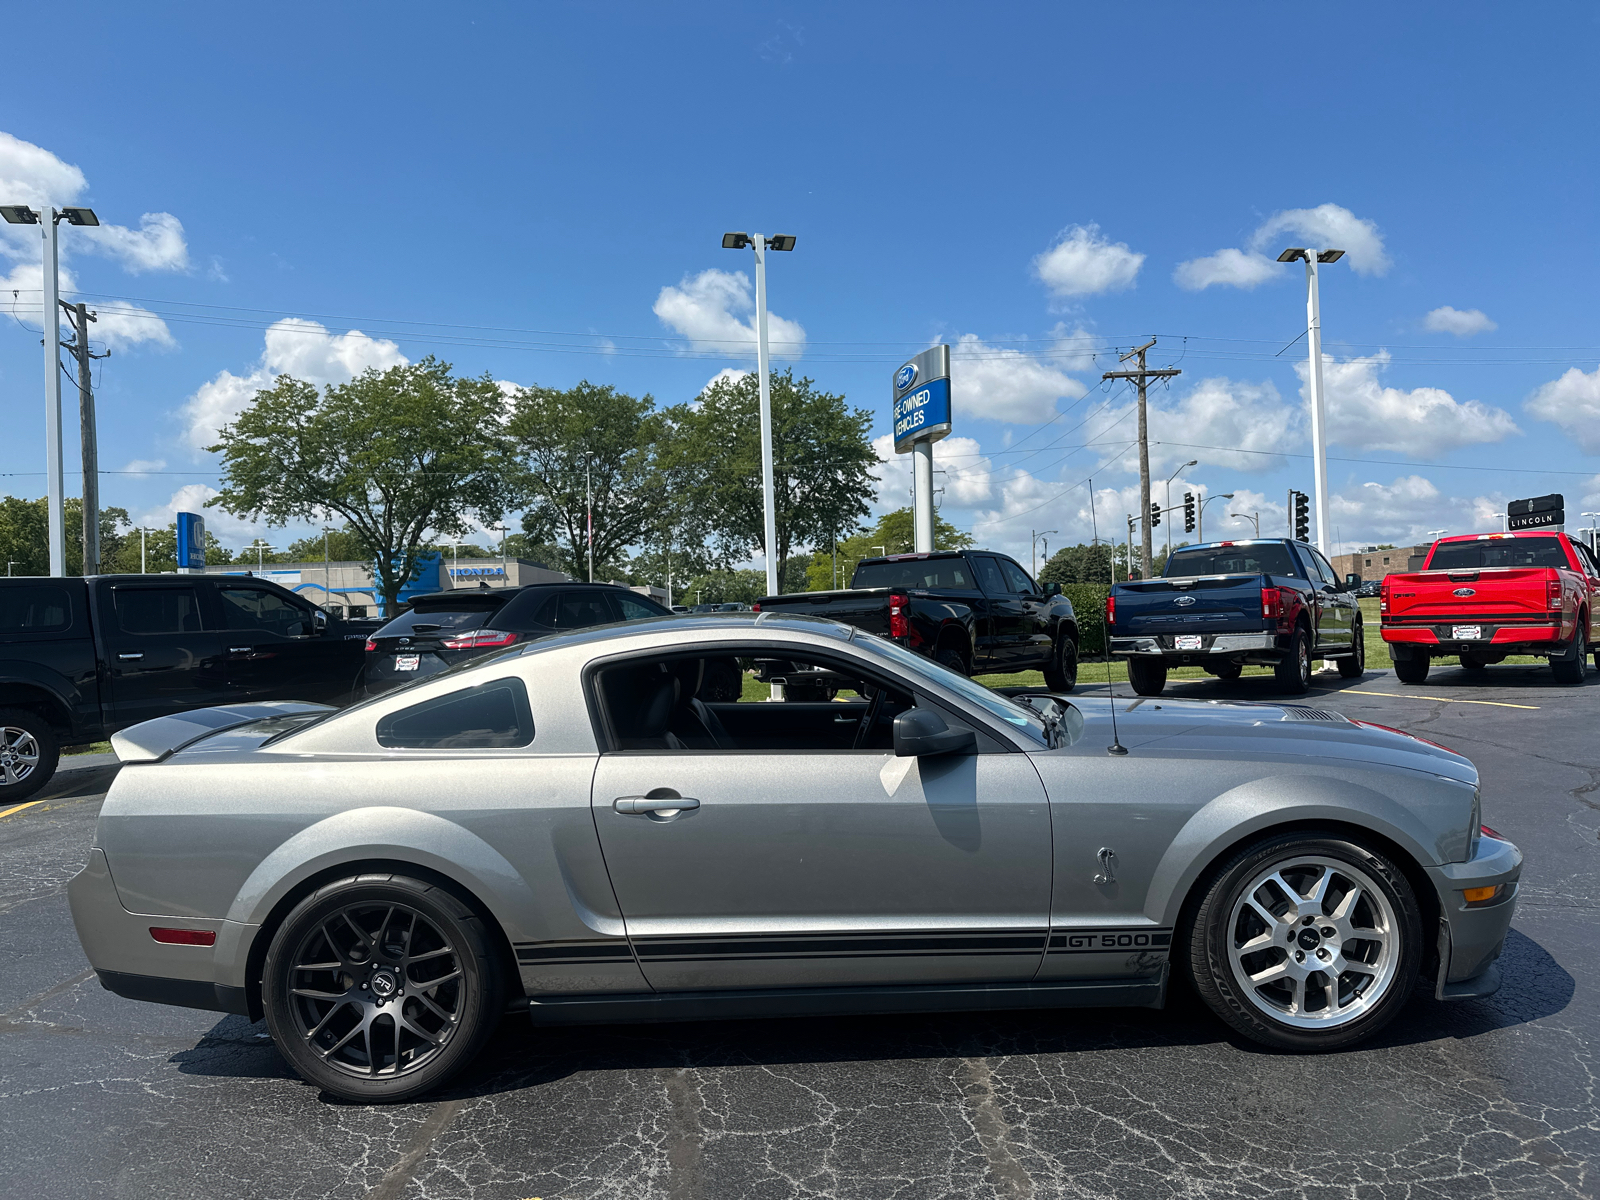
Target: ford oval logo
[1184,601]
[904,377]
[1465,592]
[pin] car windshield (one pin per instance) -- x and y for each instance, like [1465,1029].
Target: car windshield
[428,622]
[1257,558]
[1498,552]
[908,663]
[915,573]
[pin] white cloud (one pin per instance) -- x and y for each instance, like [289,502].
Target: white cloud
[117,325]
[303,349]
[192,497]
[726,375]
[715,310]
[1082,263]
[1404,511]
[1328,226]
[157,245]
[1227,267]
[960,468]
[145,466]
[1252,418]
[1462,324]
[1364,414]
[1571,402]
[33,176]
[1002,384]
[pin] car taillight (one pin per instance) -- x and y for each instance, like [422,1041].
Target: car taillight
[1271,603]
[1111,610]
[184,937]
[1491,833]
[371,645]
[899,623]
[1383,598]
[756,607]
[479,639]
[1552,595]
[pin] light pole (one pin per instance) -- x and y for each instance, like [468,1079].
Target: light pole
[260,546]
[142,531]
[1319,443]
[9,564]
[46,218]
[761,244]
[1434,533]
[1256,517]
[327,571]
[505,579]
[1037,534]
[1594,533]
[1200,513]
[1193,462]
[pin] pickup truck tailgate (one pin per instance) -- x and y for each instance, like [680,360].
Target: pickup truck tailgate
[1200,604]
[867,608]
[1469,592]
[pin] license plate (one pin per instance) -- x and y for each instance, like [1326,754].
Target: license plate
[1186,641]
[1466,633]
[407,662]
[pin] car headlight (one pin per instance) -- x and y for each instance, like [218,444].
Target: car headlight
[1477,824]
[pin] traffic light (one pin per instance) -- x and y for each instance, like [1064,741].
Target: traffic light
[1155,514]
[1302,516]
[1188,512]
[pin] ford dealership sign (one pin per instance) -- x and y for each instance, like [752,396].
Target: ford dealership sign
[922,399]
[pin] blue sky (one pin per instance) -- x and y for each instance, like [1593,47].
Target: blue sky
[539,192]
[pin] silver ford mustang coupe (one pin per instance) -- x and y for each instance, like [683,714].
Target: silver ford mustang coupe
[567,829]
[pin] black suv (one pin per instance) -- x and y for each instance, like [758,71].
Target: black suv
[445,628]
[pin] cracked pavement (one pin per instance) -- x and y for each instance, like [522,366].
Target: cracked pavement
[1495,1098]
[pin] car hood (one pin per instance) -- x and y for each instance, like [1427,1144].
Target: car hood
[1245,729]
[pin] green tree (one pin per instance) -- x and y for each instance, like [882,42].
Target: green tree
[25,535]
[342,545]
[1084,563]
[404,456]
[589,441]
[723,586]
[895,532]
[822,466]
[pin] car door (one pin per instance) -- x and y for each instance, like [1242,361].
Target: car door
[1033,645]
[813,866]
[160,656]
[1339,613]
[273,651]
[1003,619]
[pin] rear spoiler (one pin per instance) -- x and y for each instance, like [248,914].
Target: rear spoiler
[152,741]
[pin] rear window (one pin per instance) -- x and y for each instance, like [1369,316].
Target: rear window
[1499,552]
[429,622]
[1268,558]
[915,573]
[34,608]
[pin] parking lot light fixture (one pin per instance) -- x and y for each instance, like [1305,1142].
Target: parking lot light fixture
[1256,517]
[1200,514]
[1193,462]
[1319,445]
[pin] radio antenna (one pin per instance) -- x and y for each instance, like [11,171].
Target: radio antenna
[1116,746]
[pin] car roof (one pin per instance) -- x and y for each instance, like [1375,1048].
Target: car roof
[474,597]
[881,558]
[1495,537]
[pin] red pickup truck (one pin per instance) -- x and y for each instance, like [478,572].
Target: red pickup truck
[1484,596]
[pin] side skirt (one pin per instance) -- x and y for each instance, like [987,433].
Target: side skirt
[801,1002]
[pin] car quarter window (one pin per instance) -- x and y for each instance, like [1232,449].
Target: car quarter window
[1586,560]
[989,576]
[577,610]
[258,610]
[1016,578]
[636,609]
[34,608]
[491,716]
[157,610]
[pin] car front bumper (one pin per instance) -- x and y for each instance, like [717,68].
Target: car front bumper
[1471,936]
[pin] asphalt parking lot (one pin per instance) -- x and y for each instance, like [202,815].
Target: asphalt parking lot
[101,1096]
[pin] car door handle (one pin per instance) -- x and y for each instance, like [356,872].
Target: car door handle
[847,720]
[130,657]
[240,649]
[658,803]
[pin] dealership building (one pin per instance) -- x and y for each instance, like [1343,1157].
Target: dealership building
[1375,564]
[347,589]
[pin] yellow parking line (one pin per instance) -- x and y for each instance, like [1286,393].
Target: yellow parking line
[1411,696]
[16,808]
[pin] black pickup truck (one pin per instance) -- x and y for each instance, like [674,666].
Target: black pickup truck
[972,610]
[83,658]
[1220,605]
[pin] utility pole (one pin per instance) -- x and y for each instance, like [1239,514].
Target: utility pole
[79,316]
[1142,376]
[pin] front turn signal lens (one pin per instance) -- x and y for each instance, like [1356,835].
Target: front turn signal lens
[184,937]
[1482,895]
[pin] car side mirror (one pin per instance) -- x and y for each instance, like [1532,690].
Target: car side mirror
[319,622]
[1052,589]
[920,732]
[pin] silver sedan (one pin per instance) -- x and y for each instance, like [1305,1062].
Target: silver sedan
[569,829]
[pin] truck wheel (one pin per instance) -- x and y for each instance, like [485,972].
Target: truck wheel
[29,753]
[949,656]
[1412,670]
[1306,941]
[1572,666]
[1293,672]
[1147,676]
[1228,671]
[1355,665]
[1061,672]
[1468,662]
[723,681]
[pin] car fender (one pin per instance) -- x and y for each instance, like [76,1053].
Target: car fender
[396,834]
[1264,804]
[25,684]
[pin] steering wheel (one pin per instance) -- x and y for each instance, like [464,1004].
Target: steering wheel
[869,718]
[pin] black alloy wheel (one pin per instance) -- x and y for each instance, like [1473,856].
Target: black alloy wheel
[29,753]
[949,656]
[1572,666]
[379,988]
[1147,676]
[1061,672]
[1293,672]
[1354,665]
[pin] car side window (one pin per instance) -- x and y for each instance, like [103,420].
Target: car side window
[635,610]
[579,610]
[157,610]
[1307,565]
[989,577]
[1329,575]
[1587,560]
[260,611]
[491,716]
[1016,578]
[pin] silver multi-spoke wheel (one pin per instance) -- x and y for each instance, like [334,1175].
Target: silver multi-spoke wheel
[19,755]
[1313,942]
[376,990]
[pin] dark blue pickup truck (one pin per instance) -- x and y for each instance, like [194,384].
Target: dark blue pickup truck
[1221,605]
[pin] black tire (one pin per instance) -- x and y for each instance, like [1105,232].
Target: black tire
[949,656]
[1147,676]
[1061,672]
[29,754]
[723,681]
[1412,670]
[1228,671]
[1293,672]
[456,984]
[1571,668]
[1354,665]
[1376,976]
[1469,663]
